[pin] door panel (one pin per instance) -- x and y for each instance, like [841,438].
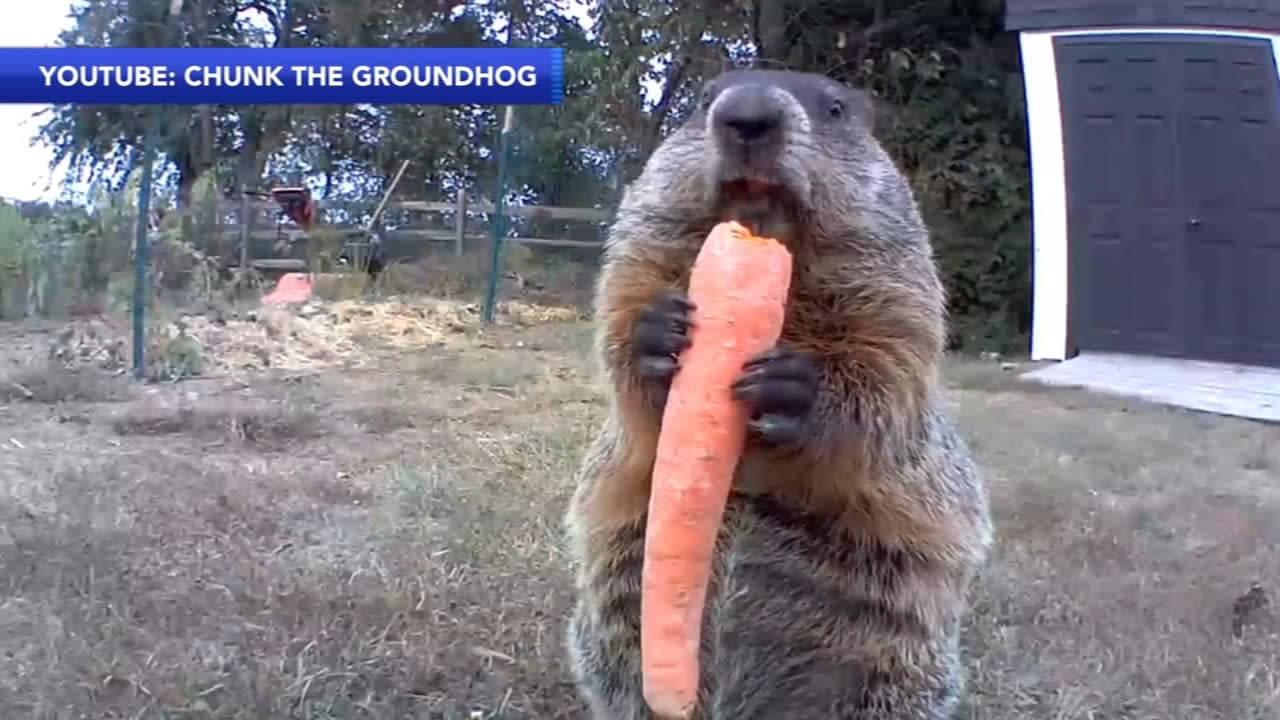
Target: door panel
[1171,150]
[1228,132]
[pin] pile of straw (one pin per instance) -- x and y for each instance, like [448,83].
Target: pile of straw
[347,333]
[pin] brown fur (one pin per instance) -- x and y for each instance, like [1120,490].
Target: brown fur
[843,564]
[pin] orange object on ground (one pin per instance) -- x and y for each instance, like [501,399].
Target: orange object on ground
[292,288]
[739,287]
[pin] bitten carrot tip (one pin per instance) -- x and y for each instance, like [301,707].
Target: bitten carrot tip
[742,233]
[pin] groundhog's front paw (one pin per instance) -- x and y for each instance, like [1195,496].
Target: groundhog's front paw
[660,334]
[780,387]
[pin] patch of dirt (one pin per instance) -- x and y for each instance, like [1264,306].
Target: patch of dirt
[382,539]
[267,425]
[51,384]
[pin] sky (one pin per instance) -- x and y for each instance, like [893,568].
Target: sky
[26,173]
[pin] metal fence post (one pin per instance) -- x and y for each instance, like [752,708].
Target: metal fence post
[141,251]
[499,218]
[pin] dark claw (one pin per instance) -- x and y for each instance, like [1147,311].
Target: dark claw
[653,339]
[775,395]
[780,387]
[660,334]
[656,367]
[786,363]
[776,430]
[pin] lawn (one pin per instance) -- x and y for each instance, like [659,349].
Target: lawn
[381,540]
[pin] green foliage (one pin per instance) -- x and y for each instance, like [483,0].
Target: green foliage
[17,246]
[173,356]
[959,136]
[17,254]
[988,282]
[72,256]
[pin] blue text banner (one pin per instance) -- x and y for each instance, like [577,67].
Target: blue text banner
[282,76]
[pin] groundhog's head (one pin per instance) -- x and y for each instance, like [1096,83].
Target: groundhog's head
[768,148]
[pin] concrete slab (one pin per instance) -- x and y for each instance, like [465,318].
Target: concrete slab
[1221,388]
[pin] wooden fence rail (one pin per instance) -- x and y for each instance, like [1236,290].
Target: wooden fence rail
[459,235]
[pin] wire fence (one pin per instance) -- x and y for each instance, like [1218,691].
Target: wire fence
[483,240]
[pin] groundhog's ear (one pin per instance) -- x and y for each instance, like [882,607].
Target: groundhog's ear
[862,107]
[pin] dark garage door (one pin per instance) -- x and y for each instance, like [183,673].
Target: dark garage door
[1172,149]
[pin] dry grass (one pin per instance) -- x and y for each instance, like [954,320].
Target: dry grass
[1127,533]
[384,543]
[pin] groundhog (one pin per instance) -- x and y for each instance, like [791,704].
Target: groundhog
[857,517]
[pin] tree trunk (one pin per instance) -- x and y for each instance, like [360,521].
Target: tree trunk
[771,30]
[677,76]
[248,173]
[188,175]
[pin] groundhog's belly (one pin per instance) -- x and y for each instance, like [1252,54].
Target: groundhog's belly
[787,586]
[774,572]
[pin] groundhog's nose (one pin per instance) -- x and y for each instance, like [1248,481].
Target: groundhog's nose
[747,115]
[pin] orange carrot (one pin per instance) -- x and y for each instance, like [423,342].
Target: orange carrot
[739,286]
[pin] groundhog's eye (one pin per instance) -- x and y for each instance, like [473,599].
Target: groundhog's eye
[836,109]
